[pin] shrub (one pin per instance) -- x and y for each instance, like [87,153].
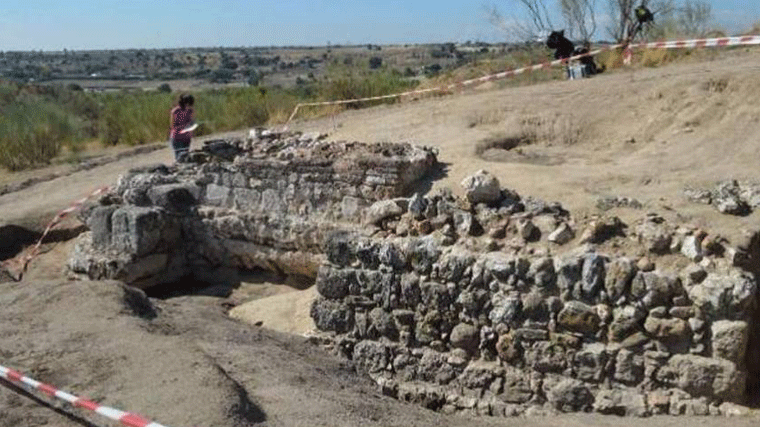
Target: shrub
[375,62]
[31,134]
[165,88]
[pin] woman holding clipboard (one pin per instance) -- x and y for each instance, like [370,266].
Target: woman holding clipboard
[182,126]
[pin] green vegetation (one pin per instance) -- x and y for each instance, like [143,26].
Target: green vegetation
[38,122]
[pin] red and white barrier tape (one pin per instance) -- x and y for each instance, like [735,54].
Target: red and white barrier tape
[678,44]
[35,250]
[125,418]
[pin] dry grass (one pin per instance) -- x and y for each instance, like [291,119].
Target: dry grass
[488,118]
[552,129]
[543,129]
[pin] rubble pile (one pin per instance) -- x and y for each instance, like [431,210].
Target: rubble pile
[729,197]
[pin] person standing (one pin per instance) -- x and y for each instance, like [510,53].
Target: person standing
[181,117]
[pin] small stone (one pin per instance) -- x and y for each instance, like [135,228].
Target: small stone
[458,357]
[562,234]
[681,301]
[645,264]
[667,329]
[382,210]
[465,337]
[700,376]
[424,227]
[602,229]
[417,206]
[696,324]
[694,274]
[465,224]
[692,248]
[682,312]
[629,367]
[658,402]
[659,312]
[621,402]
[498,229]
[570,396]
[733,410]
[528,231]
[655,238]
[578,317]
[620,272]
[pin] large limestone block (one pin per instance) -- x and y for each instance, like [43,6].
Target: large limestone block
[140,230]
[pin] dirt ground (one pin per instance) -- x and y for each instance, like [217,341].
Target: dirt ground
[646,134]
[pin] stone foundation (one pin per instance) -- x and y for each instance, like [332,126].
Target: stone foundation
[267,203]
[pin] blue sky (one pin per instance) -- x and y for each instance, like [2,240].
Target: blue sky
[111,24]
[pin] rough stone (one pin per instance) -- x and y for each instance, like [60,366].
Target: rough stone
[417,206]
[619,274]
[382,210]
[621,402]
[482,187]
[466,337]
[701,376]
[562,234]
[330,315]
[629,367]
[371,356]
[578,317]
[729,340]
[724,296]
[654,237]
[570,396]
[670,330]
[589,363]
[692,248]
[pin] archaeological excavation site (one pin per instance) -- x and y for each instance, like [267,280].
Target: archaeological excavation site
[488,303]
[561,254]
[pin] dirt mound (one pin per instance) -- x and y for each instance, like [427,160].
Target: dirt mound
[182,362]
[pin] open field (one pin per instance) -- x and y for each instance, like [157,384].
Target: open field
[645,133]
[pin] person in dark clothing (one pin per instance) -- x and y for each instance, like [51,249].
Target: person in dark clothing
[181,117]
[563,48]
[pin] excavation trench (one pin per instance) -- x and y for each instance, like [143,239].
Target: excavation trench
[422,292]
[14,238]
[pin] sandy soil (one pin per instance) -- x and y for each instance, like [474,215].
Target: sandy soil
[183,362]
[643,134]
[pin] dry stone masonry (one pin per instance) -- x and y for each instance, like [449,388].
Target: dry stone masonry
[491,303]
[475,305]
[266,203]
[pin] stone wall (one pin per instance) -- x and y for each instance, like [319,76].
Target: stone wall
[266,203]
[491,303]
[484,307]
